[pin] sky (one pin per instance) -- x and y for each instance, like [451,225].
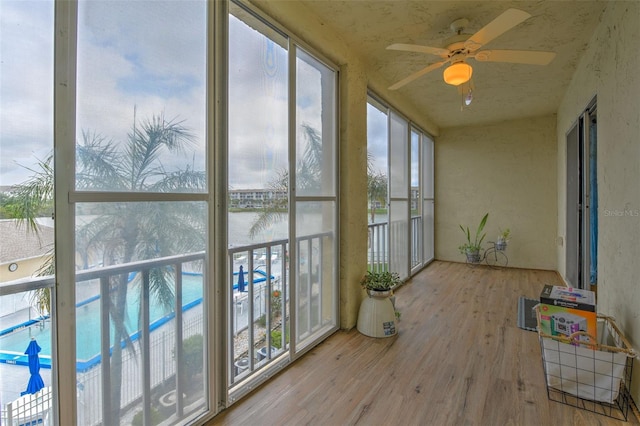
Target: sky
[124,65]
[126,68]
[26,89]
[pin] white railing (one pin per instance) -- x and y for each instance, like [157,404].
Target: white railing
[378,245]
[416,241]
[154,359]
[254,305]
[163,370]
[148,361]
[377,253]
[142,365]
[30,409]
[265,304]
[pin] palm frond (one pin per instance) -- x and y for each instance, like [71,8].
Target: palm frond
[160,286]
[267,218]
[98,164]
[187,180]
[145,144]
[34,195]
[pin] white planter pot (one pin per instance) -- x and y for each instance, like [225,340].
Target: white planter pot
[377,317]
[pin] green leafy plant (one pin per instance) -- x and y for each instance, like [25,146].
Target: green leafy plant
[156,418]
[504,235]
[193,349]
[380,281]
[276,338]
[476,244]
[262,321]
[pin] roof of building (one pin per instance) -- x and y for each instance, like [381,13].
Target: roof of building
[18,241]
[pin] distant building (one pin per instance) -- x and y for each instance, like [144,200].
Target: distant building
[23,251]
[254,198]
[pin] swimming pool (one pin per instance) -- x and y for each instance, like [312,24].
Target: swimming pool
[14,342]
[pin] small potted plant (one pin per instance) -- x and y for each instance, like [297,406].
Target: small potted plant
[503,238]
[377,316]
[472,247]
[380,284]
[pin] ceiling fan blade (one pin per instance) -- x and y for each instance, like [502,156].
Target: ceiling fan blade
[503,23]
[532,57]
[418,48]
[417,75]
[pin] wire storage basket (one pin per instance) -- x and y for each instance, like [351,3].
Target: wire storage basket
[589,374]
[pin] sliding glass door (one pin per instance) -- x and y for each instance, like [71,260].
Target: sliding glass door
[282,211]
[163,308]
[140,203]
[399,195]
[401,240]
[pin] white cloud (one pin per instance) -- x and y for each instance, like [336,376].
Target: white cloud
[125,61]
[26,86]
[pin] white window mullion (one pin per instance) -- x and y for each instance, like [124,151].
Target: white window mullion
[64,336]
[293,246]
[218,273]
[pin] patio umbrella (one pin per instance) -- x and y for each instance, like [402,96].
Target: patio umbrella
[241,279]
[35,381]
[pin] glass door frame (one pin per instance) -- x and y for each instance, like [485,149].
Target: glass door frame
[66,197]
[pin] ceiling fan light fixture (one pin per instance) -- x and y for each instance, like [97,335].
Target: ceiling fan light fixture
[457,73]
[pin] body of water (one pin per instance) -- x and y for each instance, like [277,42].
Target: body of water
[88,323]
[238,229]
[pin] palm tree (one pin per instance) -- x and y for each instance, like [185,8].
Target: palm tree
[376,192]
[377,184]
[131,231]
[28,201]
[308,177]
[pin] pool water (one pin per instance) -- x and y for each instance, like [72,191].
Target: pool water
[88,324]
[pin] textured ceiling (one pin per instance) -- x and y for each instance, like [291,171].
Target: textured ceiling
[502,91]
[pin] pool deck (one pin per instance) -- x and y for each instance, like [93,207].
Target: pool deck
[14,378]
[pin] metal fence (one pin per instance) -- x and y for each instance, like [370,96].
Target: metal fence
[163,370]
[151,366]
[378,245]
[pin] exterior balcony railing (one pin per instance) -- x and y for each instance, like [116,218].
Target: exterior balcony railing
[378,245]
[157,364]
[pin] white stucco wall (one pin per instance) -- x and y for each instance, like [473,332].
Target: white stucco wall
[508,170]
[609,69]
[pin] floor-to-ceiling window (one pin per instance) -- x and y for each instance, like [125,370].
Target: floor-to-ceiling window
[399,195]
[315,200]
[141,212]
[282,212]
[428,197]
[377,186]
[258,213]
[136,331]
[416,224]
[26,208]
[400,192]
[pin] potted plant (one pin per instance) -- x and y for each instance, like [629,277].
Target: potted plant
[503,238]
[472,247]
[379,284]
[377,316]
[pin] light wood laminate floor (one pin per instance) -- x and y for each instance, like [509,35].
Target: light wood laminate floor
[459,359]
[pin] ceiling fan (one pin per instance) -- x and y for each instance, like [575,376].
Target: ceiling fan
[463,46]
